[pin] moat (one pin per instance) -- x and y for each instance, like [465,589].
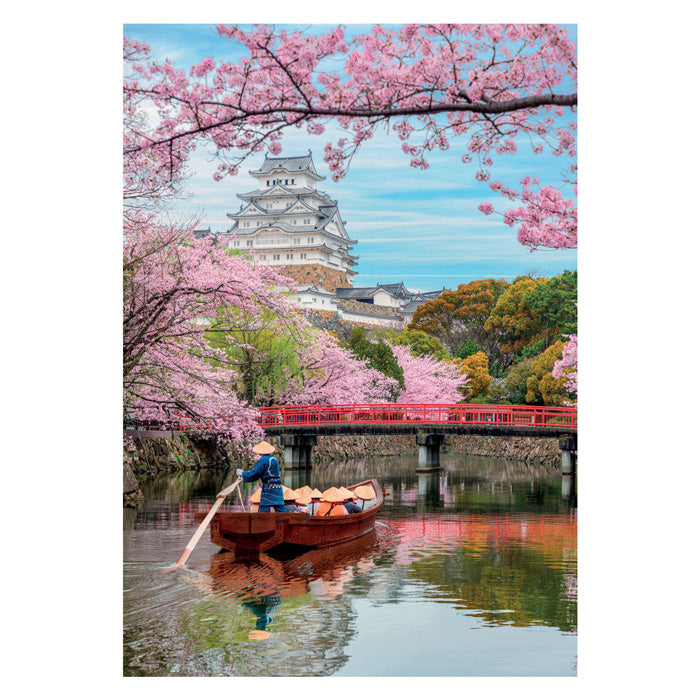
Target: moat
[471,571]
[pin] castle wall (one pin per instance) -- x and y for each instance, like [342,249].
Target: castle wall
[320,275]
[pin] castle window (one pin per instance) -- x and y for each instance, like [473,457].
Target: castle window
[303,256]
[276,257]
[290,257]
[297,241]
[263,257]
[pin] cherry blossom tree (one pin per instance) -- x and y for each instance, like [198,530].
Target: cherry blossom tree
[566,368]
[174,285]
[331,374]
[428,380]
[488,88]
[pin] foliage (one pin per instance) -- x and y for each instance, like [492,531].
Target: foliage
[264,350]
[532,350]
[512,319]
[378,355]
[467,348]
[476,369]
[456,316]
[495,394]
[543,388]
[428,380]
[419,342]
[489,86]
[516,382]
[567,367]
[552,305]
[330,373]
[174,285]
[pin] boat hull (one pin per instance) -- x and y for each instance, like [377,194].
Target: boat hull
[259,532]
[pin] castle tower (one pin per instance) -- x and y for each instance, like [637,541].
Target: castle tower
[288,223]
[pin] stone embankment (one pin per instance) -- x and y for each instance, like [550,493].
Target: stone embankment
[150,455]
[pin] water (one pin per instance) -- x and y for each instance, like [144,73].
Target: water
[470,572]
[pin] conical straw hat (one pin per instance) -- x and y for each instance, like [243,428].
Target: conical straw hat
[264,448]
[366,492]
[305,491]
[255,497]
[289,494]
[346,493]
[303,498]
[332,495]
[316,494]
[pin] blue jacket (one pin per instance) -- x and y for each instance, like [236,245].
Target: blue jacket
[267,469]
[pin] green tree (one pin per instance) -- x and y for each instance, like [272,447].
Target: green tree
[419,342]
[466,349]
[512,319]
[542,388]
[456,316]
[262,347]
[378,355]
[516,382]
[552,306]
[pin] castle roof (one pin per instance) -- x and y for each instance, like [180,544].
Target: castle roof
[398,290]
[288,191]
[293,164]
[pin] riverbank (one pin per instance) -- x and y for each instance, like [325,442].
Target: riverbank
[151,455]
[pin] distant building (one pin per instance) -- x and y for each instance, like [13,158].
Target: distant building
[286,222]
[384,305]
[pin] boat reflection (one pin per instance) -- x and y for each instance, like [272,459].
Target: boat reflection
[261,581]
[322,571]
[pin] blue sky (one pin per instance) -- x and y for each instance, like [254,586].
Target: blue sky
[421,227]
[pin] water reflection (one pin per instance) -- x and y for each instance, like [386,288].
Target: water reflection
[493,543]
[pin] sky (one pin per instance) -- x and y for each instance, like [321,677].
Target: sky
[421,227]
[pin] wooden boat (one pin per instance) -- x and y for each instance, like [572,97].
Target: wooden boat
[259,532]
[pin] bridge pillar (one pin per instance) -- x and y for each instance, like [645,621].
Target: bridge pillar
[568,445]
[298,450]
[428,451]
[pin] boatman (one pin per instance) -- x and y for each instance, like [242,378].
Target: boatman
[267,469]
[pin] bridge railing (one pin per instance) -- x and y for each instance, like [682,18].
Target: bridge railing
[280,416]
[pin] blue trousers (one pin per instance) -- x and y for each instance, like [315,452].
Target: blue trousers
[266,509]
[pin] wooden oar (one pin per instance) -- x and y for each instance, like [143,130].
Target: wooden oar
[220,497]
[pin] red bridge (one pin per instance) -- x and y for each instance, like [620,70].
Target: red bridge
[276,417]
[299,426]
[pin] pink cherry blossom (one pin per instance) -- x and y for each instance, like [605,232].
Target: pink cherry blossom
[484,86]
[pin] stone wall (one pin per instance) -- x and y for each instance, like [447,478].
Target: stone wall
[544,451]
[363,307]
[320,275]
[144,456]
[339,327]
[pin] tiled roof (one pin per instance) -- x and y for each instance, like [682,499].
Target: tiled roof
[290,191]
[293,164]
[293,230]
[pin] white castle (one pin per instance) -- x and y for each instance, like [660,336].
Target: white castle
[285,221]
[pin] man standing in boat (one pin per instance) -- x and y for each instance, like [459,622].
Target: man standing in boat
[267,469]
